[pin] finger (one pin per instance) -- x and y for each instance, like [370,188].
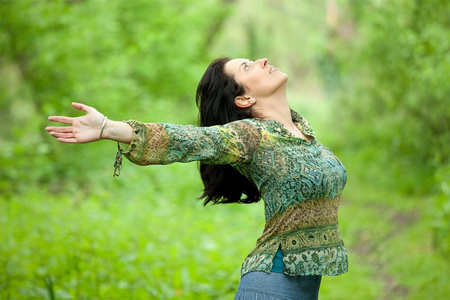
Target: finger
[59,129]
[61,119]
[67,140]
[61,134]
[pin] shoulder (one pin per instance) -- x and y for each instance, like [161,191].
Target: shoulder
[244,124]
[246,131]
[248,126]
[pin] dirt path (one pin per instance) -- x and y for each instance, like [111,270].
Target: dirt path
[369,247]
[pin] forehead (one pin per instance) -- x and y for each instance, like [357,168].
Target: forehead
[232,67]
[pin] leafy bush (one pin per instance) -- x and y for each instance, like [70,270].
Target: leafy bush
[117,56]
[393,96]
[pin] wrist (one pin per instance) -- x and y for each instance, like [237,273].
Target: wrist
[108,128]
[102,129]
[117,131]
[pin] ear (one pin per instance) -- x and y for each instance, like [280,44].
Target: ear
[244,101]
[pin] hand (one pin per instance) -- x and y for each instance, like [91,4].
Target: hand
[84,129]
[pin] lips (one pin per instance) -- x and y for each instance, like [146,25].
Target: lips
[272,69]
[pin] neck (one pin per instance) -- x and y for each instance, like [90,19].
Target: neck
[274,107]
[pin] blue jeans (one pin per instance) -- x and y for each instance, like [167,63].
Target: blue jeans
[277,286]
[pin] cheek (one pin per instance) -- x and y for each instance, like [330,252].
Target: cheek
[256,81]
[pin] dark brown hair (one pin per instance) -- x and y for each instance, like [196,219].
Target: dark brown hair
[215,96]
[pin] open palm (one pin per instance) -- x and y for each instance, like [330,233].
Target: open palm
[83,129]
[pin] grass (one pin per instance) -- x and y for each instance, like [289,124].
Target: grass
[389,240]
[153,240]
[144,235]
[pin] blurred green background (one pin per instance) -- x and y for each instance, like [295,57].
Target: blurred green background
[371,76]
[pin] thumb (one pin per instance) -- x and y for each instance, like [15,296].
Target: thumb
[81,107]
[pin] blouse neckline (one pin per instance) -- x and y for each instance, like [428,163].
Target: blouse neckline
[301,124]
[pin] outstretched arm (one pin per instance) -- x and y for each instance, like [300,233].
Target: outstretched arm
[87,128]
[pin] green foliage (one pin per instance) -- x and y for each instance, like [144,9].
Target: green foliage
[390,246]
[152,241]
[395,87]
[68,230]
[155,241]
[116,55]
[440,213]
[392,95]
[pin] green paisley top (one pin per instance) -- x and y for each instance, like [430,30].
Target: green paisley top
[300,182]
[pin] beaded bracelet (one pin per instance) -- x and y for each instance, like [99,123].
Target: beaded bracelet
[103,127]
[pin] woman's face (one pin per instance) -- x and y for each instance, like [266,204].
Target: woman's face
[258,77]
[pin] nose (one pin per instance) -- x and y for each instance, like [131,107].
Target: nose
[264,62]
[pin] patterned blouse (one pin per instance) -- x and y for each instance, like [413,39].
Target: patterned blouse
[300,182]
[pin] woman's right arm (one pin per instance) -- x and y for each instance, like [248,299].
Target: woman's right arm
[164,143]
[161,143]
[87,128]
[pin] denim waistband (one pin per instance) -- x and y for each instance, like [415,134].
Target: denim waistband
[276,286]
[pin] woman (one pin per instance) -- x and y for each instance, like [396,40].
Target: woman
[251,143]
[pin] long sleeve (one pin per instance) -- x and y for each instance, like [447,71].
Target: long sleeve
[163,143]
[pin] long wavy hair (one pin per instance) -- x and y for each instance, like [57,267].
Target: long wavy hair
[215,96]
